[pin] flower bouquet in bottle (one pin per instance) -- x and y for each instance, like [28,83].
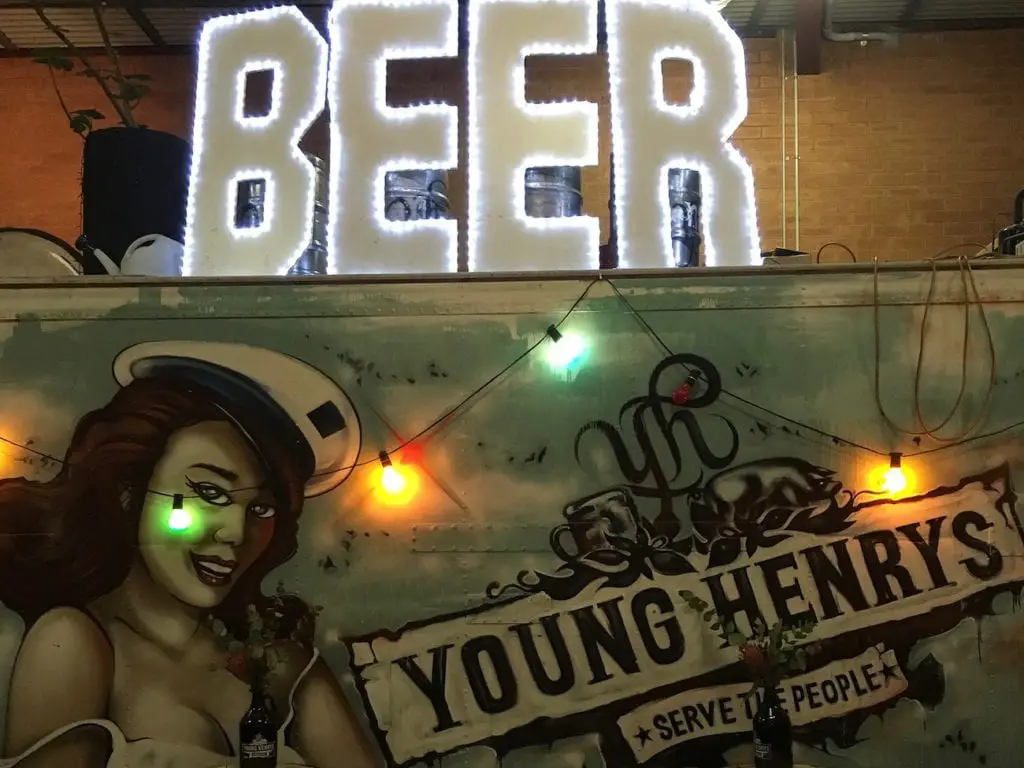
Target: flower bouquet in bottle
[770,654]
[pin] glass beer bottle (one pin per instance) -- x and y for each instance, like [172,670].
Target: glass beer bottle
[773,733]
[257,733]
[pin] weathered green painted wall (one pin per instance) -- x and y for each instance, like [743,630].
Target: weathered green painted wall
[498,480]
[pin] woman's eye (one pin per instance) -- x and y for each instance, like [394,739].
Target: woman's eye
[261,511]
[211,494]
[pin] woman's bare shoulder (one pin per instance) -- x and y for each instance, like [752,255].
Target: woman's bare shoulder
[66,636]
[62,675]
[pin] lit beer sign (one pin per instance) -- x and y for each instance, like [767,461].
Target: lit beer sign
[506,135]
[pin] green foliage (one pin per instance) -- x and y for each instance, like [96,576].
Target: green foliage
[770,653]
[123,91]
[132,88]
[81,120]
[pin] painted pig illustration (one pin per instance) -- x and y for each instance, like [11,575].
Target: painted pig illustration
[750,500]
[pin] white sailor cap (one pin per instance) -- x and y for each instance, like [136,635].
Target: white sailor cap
[306,407]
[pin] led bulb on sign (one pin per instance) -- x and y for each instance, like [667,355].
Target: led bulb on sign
[652,136]
[507,134]
[369,138]
[229,147]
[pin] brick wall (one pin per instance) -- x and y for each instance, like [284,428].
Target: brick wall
[903,151]
[40,158]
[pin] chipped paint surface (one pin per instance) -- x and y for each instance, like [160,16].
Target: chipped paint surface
[506,476]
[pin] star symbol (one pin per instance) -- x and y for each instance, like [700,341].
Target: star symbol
[643,735]
[889,672]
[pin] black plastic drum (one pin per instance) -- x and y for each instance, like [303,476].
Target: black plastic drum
[134,183]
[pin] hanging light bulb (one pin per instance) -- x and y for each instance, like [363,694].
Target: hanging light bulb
[895,481]
[395,484]
[681,395]
[566,349]
[180,518]
[391,479]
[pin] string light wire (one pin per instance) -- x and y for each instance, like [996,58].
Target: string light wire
[449,414]
[439,421]
[638,316]
[848,249]
[837,439]
[969,287]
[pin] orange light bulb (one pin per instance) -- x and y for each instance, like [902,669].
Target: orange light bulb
[391,480]
[394,484]
[895,481]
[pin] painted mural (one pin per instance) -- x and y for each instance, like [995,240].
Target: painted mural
[523,604]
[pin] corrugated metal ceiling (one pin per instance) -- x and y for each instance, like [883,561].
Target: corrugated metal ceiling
[858,11]
[180,26]
[956,9]
[26,30]
[147,23]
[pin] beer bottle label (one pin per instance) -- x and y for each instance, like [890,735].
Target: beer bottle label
[259,748]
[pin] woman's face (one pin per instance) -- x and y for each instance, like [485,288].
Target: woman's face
[227,519]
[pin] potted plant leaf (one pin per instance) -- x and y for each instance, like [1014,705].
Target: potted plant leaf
[771,654]
[134,178]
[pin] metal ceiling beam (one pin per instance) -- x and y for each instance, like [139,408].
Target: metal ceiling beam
[809,17]
[910,11]
[942,25]
[128,50]
[142,21]
[756,15]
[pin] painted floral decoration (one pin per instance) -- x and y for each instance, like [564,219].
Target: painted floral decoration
[771,654]
[256,646]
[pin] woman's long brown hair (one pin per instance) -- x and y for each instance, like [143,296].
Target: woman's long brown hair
[72,539]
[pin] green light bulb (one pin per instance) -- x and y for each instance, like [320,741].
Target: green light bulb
[180,519]
[567,351]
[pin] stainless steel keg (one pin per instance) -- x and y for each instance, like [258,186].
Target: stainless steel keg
[684,199]
[416,195]
[313,260]
[553,192]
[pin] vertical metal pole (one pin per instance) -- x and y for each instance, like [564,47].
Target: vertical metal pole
[785,157]
[796,151]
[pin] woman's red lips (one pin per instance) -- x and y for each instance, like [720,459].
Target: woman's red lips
[213,571]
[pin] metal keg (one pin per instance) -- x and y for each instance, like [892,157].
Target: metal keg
[685,203]
[1010,241]
[416,195]
[313,260]
[322,185]
[553,192]
[249,213]
[249,203]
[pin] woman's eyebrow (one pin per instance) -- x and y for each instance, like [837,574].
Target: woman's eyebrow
[227,474]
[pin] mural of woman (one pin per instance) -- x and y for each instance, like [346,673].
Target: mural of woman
[118,666]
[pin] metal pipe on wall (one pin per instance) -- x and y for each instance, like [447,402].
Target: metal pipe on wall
[796,152]
[889,38]
[785,157]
